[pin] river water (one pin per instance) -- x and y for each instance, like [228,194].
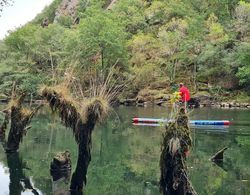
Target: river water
[125,158]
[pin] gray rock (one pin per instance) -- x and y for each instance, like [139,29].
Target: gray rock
[67,8]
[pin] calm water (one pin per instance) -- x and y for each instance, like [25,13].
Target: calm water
[125,158]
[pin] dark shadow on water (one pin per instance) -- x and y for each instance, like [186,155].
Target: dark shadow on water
[226,165]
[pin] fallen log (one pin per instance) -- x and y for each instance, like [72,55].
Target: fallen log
[218,155]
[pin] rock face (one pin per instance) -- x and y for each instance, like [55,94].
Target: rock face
[67,8]
[112,3]
[194,103]
[204,100]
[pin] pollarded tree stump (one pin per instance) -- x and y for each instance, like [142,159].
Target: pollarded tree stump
[175,146]
[60,167]
[19,118]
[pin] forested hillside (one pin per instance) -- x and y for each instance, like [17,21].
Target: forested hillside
[153,44]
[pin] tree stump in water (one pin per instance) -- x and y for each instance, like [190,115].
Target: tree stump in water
[20,118]
[82,126]
[175,146]
[60,167]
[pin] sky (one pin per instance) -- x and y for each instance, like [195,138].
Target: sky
[21,12]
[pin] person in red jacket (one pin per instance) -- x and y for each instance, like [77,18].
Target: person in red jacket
[184,92]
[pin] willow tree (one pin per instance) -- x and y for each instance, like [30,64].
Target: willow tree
[19,117]
[81,114]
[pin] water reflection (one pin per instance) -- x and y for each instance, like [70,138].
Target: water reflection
[125,158]
[4,178]
[225,165]
[19,182]
[206,128]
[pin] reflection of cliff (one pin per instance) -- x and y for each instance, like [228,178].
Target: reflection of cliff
[18,181]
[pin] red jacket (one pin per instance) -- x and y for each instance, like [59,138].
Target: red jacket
[185,96]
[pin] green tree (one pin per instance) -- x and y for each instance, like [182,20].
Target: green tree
[171,36]
[32,54]
[144,60]
[242,14]
[4,3]
[100,42]
[243,58]
[49,12]
[131,15]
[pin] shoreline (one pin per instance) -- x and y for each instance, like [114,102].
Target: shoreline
[161,102]
[199,104]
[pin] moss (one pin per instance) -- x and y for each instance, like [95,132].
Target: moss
[176,142]
[72,111]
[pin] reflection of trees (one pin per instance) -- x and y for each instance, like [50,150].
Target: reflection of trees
[227,178]
[19,182]
[127,152]
[125,160]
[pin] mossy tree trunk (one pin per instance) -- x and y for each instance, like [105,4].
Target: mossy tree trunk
[176,144]
[20,118]
[4,125]
[84,154]
[82,127]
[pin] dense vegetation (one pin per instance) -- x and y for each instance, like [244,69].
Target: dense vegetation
[151,43]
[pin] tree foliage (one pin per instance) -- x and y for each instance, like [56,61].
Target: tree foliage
[148,41]
[4,3]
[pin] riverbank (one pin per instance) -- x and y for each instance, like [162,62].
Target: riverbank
[199,99]
[163,102]
[161,97]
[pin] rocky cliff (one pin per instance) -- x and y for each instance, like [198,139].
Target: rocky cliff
[66,8]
